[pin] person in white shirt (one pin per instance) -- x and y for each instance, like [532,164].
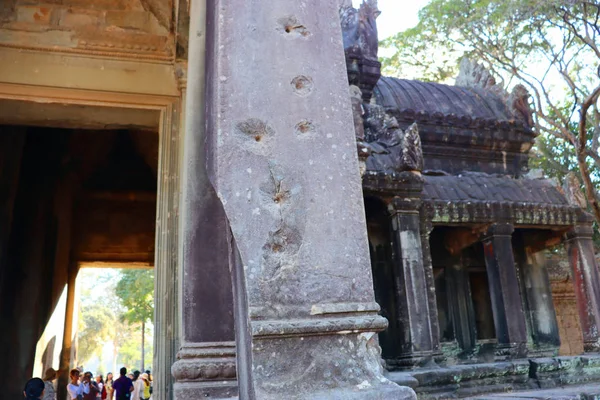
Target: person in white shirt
[77,390]
[100,382]
[49,392]
[138,386]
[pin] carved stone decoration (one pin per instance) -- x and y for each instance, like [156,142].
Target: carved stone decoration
[205,370]
[412,153]
[473,75]
[138,29]
[205,361]
[518,104]
[359,128]
[361,43]
[572,190]
[391,149]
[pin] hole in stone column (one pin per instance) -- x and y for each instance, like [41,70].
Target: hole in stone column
[254,128]
[302,85]
[293,27]
[304,128]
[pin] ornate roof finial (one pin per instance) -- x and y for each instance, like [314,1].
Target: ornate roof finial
[359,30]
[473,75]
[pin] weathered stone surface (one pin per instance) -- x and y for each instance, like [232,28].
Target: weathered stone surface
[206,360]
[586,280]
[285,168]
[507,306]
[391,148]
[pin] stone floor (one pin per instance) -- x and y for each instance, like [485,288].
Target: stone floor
[583,392]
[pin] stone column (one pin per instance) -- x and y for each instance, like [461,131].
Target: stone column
[66,361]
[206,360]
[509,318]
[426,228]
[539,308]
[284,165]
[411,281]
[580,250]
[461,304]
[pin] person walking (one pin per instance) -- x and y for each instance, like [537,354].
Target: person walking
[93,386]
[49,392]
[137,386]
[34,389]
[123,386]
[108,385]
[101,392]
[145,390]
[75,389]
[150,380]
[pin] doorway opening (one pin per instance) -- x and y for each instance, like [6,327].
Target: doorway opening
[464,305]
[115,310]
[74,191]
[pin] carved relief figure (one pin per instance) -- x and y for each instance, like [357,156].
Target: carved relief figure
[391,149]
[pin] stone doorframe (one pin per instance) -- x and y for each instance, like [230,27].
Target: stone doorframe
[170,128]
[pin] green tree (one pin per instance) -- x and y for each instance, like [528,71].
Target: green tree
[95,328]
[98,310]
[550,46]
[135,289]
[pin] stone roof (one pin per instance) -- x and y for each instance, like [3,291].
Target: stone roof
[438,102]
[480,187]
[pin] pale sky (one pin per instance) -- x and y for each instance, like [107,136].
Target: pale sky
[396,15]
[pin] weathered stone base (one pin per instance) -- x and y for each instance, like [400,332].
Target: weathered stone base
[462,381]
[417,359]
[513,351]
[333,366]
[379,392]
[591,347]
[205,370]
[205,390]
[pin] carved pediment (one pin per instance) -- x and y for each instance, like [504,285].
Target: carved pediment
[121,28]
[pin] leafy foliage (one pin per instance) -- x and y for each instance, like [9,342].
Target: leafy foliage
[550,46]
[129,349]
[111,311]
[135,289]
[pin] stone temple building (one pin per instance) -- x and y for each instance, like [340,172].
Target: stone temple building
[318,231]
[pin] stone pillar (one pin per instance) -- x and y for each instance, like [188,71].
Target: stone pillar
[206,360]
[166,264]
[411,282]
[586,279]
[509,318]
[426,228]
[461,304]
[66,361]
[284,165]
[539,308]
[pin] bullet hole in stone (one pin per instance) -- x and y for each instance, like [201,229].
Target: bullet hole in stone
[254,128]
[293,27]
[302,85]
[304,128]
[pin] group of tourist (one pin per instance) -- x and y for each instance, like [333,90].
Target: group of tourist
[135,386]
